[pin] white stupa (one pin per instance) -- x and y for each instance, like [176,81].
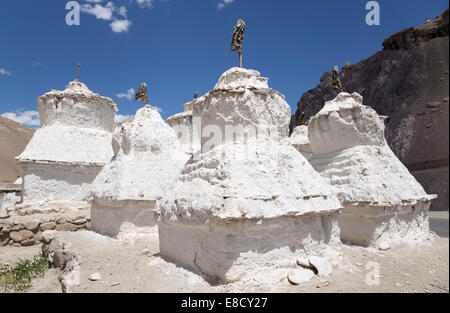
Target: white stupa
[185,127]
[249,202]
[68,151]
[383,202]
[147,159]
[299,139]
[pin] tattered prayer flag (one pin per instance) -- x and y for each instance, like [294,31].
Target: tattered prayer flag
[141,94]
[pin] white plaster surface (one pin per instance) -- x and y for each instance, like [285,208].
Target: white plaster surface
[76,106]
[241,105]
[74,142]
[47,183]
[233,250]
[68,144]
[10,199]
[147,160]
[250,203]
[109,216]
[347,140]
[241,78]
[183,125]
[299,139]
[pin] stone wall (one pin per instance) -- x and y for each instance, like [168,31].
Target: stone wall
[28,232]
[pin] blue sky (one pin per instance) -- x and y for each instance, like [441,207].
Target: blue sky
[180,46]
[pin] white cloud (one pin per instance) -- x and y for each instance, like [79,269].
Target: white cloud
[107,13]
[118,15]
[223,3]
[122,11]
[5,72]
[119,118]
[145,3]
[28,118]
[129,94]
[119,26]
[100,12]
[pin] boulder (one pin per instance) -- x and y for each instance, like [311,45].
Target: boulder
[300,276]
[48,226]
[28,242]
[48,236]
[60,220]
[32,225]
[322,266]
[95,276]
[4,239]
[18,236]
[67,227]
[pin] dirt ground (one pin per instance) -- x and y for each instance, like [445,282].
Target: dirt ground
[137,267]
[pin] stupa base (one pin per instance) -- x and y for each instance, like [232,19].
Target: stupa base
[107,216]
[231,250]
[371,226]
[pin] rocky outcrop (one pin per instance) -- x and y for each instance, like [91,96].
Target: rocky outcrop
[407,82]
[14,137]
[413,37]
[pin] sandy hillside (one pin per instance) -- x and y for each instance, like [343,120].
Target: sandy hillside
[13,139]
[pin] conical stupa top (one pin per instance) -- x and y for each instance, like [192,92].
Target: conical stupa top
[77,89]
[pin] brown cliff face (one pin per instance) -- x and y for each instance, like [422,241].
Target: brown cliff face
[408,82]
[413,37]
[14,137]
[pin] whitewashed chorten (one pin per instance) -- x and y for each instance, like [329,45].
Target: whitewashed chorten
[65,155]
[147,160]
[383,204]
[249,201]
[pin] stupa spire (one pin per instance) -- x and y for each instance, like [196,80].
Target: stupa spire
[238,39]
[141,94]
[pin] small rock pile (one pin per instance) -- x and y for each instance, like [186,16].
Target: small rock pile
[29,233]
[61,256]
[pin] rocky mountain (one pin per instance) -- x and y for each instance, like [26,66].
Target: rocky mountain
[408,82]
[13,139]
